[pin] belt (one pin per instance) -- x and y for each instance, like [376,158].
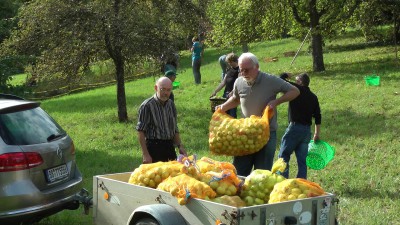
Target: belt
[159,141]
[297,123]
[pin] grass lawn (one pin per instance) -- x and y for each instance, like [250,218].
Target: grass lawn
[360,121]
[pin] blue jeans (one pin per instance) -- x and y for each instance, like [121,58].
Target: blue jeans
[196,70]
[262,159]
[296,138]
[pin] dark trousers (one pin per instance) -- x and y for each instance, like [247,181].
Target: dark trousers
[196,64]
[161,150]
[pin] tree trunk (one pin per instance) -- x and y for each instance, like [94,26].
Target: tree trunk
[317,52]
[115,51]
[121,97]
[245,47]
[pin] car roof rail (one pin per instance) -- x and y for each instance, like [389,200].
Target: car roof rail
[10,96]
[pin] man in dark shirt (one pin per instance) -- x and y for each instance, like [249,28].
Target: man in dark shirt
[229,80]
[157,125]
[298,134]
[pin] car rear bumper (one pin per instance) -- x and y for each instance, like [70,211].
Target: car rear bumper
[57,199]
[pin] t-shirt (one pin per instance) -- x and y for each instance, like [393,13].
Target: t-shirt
[254,98]
[231,77]
[197,49]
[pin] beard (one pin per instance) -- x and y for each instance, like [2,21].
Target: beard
[250,81]
[163,97]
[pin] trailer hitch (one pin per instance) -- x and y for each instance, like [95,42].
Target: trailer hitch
[86,200]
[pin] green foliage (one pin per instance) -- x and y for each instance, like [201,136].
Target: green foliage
[67,36]
[373,14]
[234,21]
[8,11]
[8,67]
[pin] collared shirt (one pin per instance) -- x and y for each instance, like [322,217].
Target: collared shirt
[156,120]
[255,97]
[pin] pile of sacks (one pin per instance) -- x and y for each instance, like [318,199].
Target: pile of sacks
[216,181]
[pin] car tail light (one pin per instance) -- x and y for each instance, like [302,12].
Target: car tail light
[19,161]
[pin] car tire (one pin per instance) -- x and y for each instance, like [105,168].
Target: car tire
[147,221]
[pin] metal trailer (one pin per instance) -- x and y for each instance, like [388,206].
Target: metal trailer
[116,202]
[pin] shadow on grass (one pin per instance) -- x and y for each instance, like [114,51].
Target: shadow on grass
[355,46]
[345,71]
[368,193]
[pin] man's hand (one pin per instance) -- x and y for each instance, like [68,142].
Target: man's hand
[182,150]
[147,159]
[316,137]
[272,104]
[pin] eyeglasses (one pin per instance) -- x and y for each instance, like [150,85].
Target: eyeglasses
[245,70]
[165,89]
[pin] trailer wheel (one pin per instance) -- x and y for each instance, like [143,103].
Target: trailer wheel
[147,221]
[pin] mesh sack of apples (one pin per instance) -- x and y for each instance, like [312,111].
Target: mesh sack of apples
[238,137]
[150,175]
[184,187]
[292,189]
[260,183]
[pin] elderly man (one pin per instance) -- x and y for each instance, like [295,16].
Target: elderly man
[157,125]
[254,90]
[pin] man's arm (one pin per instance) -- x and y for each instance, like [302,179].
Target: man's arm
[145,152]
[220,86]
[288,96]
[231,103]
[316,132]
[179,145]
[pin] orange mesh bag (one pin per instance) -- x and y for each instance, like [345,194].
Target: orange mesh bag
[150,175]
[206,164]
[223,183]
[184,187]
[292,189]
[237,137]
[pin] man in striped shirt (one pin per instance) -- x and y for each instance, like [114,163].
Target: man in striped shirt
[157,125]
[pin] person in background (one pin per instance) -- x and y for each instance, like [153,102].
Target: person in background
[157,125]
[228,81]
[169,61]
[171,74]
[197,54]
[297,136]
[254,91]
[224,65]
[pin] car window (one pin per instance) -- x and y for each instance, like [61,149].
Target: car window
[28,127]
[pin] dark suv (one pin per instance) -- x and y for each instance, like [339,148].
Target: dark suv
[38,172]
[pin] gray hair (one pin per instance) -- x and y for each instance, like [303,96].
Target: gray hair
[249,55]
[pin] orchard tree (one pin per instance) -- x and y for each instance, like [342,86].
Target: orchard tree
[375,13]
[234,22]
[9,65]
[67,36]
[322,17]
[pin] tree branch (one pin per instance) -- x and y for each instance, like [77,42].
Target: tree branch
[296,14]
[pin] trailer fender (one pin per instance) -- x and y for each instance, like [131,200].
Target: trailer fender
[164,214]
